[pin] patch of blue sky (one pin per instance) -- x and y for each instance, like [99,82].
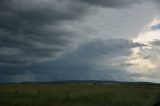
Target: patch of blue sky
[156,27]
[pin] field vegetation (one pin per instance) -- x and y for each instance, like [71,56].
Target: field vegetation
[79,95]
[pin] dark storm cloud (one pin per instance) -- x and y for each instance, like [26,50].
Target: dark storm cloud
[31,33]
[28,32]
[80,64]
[112,3]
[31,48]
[108,47]
[39,11]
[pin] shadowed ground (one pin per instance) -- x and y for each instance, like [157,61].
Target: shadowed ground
[78,95]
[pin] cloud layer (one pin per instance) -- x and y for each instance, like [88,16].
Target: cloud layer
[111,3]
[93,60]
[52,40]
[28,29]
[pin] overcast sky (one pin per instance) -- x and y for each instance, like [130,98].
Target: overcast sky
[50,40]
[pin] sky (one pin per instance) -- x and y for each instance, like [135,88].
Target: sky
[56,40]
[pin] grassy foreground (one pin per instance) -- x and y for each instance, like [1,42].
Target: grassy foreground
[78,95]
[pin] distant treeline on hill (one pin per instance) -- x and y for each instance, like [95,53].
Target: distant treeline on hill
[87,82]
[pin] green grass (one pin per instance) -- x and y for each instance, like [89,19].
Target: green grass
[78,95]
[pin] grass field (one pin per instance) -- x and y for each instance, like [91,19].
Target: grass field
[78,95]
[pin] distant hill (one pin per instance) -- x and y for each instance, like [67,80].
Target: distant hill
[92,82]
[86,82]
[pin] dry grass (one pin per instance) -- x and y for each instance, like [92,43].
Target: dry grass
[78,95]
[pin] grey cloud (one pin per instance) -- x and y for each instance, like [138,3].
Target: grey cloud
[82,63]
[108,47]
[157,0]
[155,43]
[34,48]
[112,3]
[39,11]
[84,60]
[28,32]
[31,33]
